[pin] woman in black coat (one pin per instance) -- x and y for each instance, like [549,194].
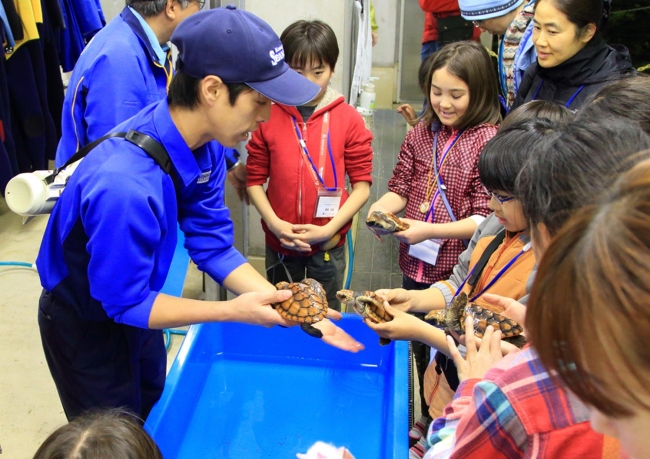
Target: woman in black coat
[573,61]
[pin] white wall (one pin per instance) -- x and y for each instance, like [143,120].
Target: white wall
[383,54]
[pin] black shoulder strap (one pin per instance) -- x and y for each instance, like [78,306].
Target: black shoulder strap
[485,257]
[151,146]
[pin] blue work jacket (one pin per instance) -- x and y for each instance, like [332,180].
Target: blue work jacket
[116,76]
[111,237]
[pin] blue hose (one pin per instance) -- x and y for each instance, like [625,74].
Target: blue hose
[348,278]
[168,336]
[21,264]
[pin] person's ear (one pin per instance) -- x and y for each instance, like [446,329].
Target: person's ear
[588,33]
[212,88]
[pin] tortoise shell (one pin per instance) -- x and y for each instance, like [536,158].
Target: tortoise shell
[459,308]
[308,303]
[382,223]
[368,305]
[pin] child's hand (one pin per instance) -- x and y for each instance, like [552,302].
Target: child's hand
[477,362]
[512,309]
[417,232]
[374,208]
[398,298]
[408,113]
[309,234]
[404,326]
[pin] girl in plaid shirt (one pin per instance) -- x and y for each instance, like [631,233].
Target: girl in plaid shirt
[435,181]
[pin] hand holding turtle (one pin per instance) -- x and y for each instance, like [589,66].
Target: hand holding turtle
[512,309]
[405,327]
[416,232]
[477,361]
[255,308]
[397,298]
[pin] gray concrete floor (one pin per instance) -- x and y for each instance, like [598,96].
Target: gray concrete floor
[29,405]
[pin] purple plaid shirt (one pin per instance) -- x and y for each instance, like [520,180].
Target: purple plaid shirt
[464,190]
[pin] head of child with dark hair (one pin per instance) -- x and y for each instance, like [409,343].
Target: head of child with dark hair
[103,435]
[538,109]
[462,87]
[407,111]
[311,49]
[628,98]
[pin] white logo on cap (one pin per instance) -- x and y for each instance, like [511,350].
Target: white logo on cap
[277,55]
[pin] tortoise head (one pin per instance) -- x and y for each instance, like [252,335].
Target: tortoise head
[346,296]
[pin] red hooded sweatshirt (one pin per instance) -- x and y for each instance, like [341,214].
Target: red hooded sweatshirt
[274,153]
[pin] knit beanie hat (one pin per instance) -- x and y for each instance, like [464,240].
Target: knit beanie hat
[479,10]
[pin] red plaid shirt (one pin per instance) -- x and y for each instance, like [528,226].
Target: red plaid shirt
[464,190]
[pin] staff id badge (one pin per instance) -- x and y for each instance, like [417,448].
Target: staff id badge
[427,251]
[328,202]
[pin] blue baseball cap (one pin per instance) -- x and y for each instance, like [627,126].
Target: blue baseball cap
[239,47]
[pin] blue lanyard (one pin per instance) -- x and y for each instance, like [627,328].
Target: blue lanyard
[435,170]
[496,278]
[303,145]
[539,88]
[502,74]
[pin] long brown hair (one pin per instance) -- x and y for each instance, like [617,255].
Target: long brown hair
[470,62]
[588,314]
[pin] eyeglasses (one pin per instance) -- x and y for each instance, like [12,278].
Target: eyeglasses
[497,196]
[201,3]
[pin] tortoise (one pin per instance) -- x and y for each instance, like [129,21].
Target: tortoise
[457,311]
[308,304]
[382,223]
[368,305]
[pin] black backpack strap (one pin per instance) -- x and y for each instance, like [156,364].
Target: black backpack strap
[485,257]
[151,146]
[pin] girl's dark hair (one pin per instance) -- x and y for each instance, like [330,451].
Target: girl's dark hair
[470,62]
[580,13]
[538,109]
[104,435]
[309,42]
[423,71]
[628,98]
[184,91]
[588,315]
[570,168]
[506,153]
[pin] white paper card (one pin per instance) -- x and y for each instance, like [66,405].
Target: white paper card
[427,251]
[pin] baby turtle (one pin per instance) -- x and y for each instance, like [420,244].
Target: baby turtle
[455,314]
[368,305]
[308,304]
[382,223]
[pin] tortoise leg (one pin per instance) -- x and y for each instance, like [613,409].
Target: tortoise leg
[384,341]
[310,330]
[519,340]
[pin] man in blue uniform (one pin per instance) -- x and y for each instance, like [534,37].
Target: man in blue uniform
[110,239]
[126,67]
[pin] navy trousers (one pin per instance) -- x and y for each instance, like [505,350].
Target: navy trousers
[100,364]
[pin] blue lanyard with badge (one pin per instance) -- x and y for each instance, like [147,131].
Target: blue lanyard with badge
[427,250]
[525,249]
[329,199]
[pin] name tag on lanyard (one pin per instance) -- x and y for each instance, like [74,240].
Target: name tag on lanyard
[328,201]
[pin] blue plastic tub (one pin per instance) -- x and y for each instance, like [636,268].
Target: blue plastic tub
[239,391]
